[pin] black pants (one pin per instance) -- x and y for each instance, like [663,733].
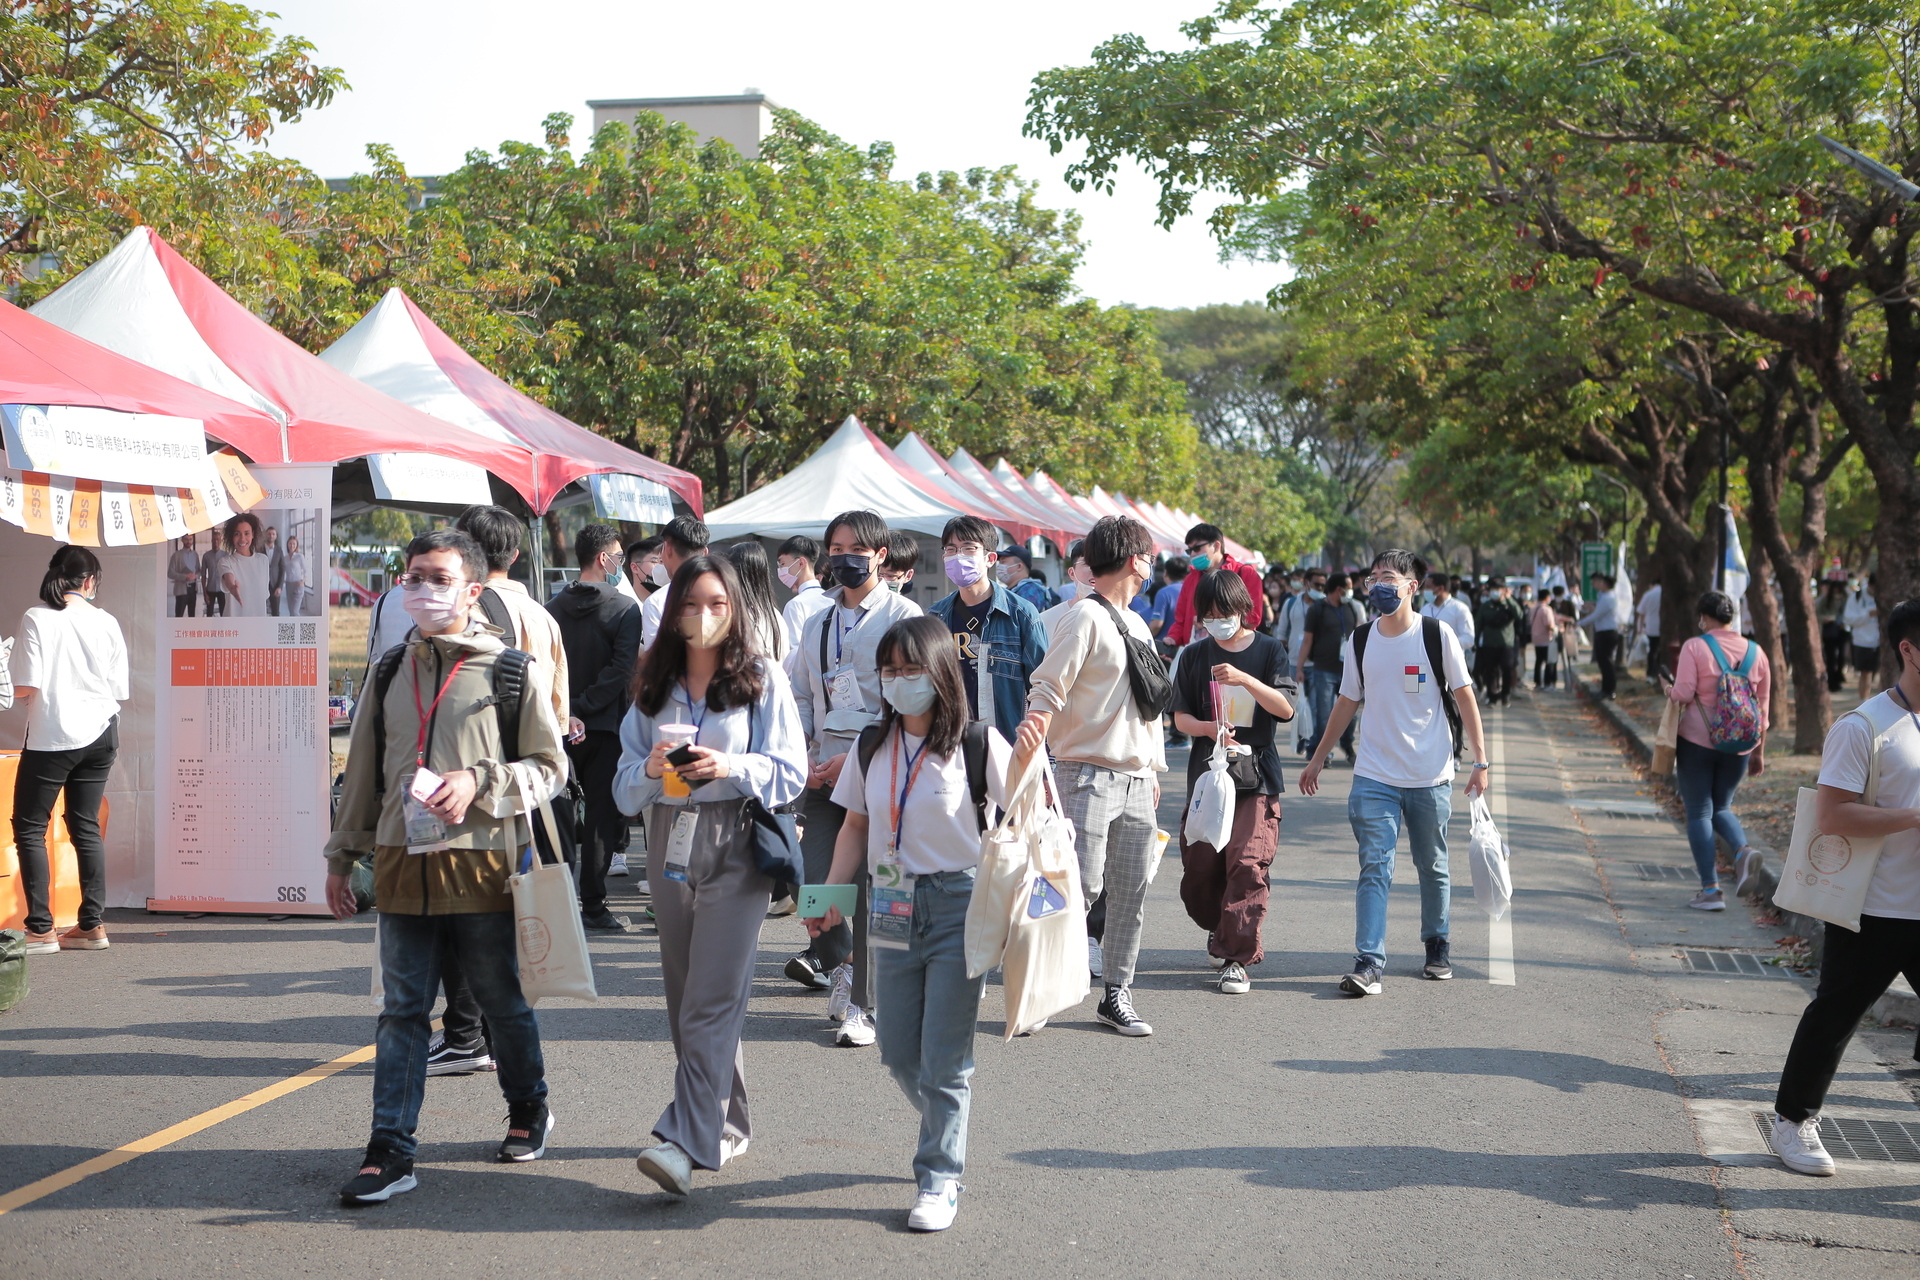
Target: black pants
[183,606]
[1653,655]
[1543,661]
[1605,645]
[821,820]
[1833,647]
[594,761]
[462,1024]
[1496,666]
[1856,971]
[82,774]
[216,604]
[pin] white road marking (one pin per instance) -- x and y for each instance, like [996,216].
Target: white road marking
[1499,932]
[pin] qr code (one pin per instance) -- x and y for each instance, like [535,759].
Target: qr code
[286,633]
[309,633]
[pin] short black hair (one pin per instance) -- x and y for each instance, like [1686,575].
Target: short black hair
[970,529]
[1315,571]
[1177,568]
[1401,561]
[1076,550]
[1606,578]
[1205,533]
[690,537]
[592,542]
[1338,582]
[801,545]
[1903,623]
[473,561]
[496,529]
[1440,580]
[866,528]
[1221,593]
[644,547]
[903,551]
[1717,605]
[1113,541]
[1558,590]
[245,517]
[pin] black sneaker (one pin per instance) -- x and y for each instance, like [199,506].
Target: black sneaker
[1347,751]
[804,971]
[1439,968]
[1363,981]
[382,1175]
[528,1124]
[454,1060]
[1116,1010]
[606,922]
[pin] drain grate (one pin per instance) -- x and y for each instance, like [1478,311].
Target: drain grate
[1731,964]
[1654,871]
[1895,1141]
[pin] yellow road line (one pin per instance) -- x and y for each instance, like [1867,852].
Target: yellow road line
[185,1129]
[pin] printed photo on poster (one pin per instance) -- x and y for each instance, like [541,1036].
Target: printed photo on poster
[258,564]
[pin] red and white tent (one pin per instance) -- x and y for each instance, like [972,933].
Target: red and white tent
[917,454]
[1063,529]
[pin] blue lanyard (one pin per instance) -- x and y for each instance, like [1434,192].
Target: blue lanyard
[913,771]
[841,632]
[700,720]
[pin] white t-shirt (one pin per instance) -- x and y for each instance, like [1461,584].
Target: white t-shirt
[1649,611]
[248,598]
[1895,888]
[77,659]
[651,611]
[1858,616]
[390,624]
[1404,740]
[938,827]
[1454,612]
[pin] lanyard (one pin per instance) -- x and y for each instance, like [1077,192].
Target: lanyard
[1907,705]
[700,720]
[426,713]
[842,632]
[899,806]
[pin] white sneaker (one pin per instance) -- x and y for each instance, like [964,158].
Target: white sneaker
[731,1145]
[1799,1147]
[1095,965]
[857,1031]
[840,997]
[645,890]
[1234,981]
[934,1210]
[783,906]
[669,1166]
[618,866]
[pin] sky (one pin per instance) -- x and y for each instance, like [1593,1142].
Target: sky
[947,85]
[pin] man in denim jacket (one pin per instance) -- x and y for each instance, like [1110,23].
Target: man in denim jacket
[995,631]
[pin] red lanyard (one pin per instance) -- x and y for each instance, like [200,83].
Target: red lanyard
[426,713]
[896,804]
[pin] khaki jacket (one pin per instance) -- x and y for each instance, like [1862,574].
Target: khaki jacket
[470,876]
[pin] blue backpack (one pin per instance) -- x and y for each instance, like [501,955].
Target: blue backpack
[1733,725]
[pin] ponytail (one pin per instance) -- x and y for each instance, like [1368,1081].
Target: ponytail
[70,567]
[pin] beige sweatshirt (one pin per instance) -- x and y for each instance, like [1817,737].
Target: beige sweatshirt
[1083,682]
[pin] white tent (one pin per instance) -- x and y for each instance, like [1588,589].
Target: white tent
[847,473]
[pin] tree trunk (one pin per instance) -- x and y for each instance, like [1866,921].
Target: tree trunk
[1761,608]
[557,548]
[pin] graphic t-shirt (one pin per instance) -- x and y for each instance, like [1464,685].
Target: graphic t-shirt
[969,630]
[1894,890]
[1404,739]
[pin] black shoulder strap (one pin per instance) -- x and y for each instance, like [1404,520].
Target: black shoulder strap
[383,673]
[509,678]
[495,611]
[973,746]
[1360,634]
[1430,635]
[826,620]
[867,745]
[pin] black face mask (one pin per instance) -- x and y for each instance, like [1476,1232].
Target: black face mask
[851,572]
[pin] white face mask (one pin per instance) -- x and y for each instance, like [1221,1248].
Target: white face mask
[433,609]
[909,695]
[706,631]
[789,576]
[1222,629]
[658,575]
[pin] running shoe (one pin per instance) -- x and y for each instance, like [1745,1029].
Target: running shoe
[935,1210]
[617,865]
[1745,863]
[1116,1010]
[1233,980]
[606,922]
[669,1166]
[1799,1147]
[1439,967]
[528,1124]
[856,1031]
[1363,981]
[382,1175]
[803,970]
[840,995]
[1709,900]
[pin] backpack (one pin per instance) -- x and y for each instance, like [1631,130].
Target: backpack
[508,676]
[973,750]
[1430,635]
[1733,724]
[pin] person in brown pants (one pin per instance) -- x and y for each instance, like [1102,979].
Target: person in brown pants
[1227,687]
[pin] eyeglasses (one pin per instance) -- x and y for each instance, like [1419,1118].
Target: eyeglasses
[892,672]
[1197,548]
[1387,580]
[440,580]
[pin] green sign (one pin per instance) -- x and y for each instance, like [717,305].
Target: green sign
[1595,557]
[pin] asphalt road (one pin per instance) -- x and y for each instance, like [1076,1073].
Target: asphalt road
[1547,1127]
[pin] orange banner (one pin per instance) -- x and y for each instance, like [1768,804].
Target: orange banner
[236,668]
[83,520]
[36,503]
[241,486]
[146,514]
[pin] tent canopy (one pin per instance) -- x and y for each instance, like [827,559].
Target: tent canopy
[917,454]
[398,350]
[149,304]
[1017,498]
[847,473]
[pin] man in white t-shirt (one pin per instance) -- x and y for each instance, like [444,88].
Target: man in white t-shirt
[682,540]
[1452,610]
[1403,767]
[798,568]
[1647,617]
[1858,967]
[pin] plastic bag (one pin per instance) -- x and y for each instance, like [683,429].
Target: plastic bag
[1487,854]
[1209,818]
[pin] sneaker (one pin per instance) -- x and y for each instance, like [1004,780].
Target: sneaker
[1439,967]
[644,889]
[1233,981]
[804,971]
[783,906]
[1096,964]
[667,1165]
[39,944]
[840,996]
[528,1125]
[78,939]
[1363,981]
[1799,1147]
[606,922]
[617,866]
[382,1175]
[856,1032]
[453,1060]
[731,1145]
[1708,900]
[1745,863]
[934,1210]
[1116,1010]
[1217,962]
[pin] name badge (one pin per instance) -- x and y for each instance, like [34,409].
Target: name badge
[890,914]
[680,844]
[843,689]
[426,832]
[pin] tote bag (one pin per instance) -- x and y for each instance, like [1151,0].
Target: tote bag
[1666,740]
[1826,876]
[1005,859]
[550,941]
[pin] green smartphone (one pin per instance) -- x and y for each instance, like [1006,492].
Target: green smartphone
[816,898]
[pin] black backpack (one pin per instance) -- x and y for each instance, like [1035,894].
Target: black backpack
[973,749]
[508,676]
[1430,634]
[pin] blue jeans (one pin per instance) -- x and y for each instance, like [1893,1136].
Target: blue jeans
[1706,780]
[1377,812]
[410,973]
[927,1010]
[1322,688]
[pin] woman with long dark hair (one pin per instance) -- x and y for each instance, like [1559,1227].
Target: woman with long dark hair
[767,631]
[702,685]
[73,671]
[911,818]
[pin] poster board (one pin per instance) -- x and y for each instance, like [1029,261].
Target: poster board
[240,691]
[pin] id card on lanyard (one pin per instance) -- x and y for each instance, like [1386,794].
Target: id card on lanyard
[426,830]
[680,844]
[890,896]
[843,685]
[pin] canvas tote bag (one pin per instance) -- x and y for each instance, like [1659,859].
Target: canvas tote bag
[1826,876]
[550,941]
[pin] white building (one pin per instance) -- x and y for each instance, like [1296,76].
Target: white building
[741,119]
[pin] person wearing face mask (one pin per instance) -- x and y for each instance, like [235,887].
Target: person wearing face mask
[1311,589]
[641,557]
[837,684]
[441,802]
[1015,572]
[903,557]
[1408,670]
[1207,549]
[797,569]
[1079,580]
[1226,689]
[709,894]
[600,630]
[912,822]
[683,538]
[1323,637]
[997,636]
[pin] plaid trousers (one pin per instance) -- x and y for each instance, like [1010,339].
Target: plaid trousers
[1115,835]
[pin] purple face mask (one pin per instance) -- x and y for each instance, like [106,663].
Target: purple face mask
[966,570]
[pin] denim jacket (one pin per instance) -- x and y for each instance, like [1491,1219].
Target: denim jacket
[1013,642]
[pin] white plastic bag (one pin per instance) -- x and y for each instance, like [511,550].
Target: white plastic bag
[1209,818]
[550,941]
[1487,854]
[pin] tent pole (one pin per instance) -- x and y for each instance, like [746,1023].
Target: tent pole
[537,561]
